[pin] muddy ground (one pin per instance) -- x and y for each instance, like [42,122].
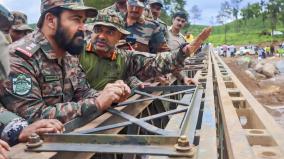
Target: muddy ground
[269,92]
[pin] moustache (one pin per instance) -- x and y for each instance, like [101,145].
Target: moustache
[79,34]
[101,41]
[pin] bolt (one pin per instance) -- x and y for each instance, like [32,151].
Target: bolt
[183,144]
[34,141]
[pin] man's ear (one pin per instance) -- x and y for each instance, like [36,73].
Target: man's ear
[51,21]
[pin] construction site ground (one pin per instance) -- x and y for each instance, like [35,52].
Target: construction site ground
[269,92]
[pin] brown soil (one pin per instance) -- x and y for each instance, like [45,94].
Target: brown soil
[269,95]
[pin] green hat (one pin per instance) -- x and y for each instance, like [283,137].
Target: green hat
[156,1]
[6,18]
[113,20]
[139,3]
[68,4]
[20,22]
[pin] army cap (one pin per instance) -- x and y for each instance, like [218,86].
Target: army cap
[139,3]
[20,22]
[156,1]
[68,4]
[113,20]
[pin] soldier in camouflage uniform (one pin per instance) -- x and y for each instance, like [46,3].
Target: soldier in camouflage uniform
[147,32]
[20,28]
[14,129]
[105,63]
[155,9]
[118,7]
[46,79]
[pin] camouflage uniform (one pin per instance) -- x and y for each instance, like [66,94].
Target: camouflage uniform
[10,124]
[147,32]
[126,64]
[163,25]
[164,28]
[43,86]
[112,9]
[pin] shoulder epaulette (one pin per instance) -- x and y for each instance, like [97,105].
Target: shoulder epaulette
[27,49]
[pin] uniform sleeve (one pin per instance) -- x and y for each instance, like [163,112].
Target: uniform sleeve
[23,95]
[145,65]
[11,126]
[158,41]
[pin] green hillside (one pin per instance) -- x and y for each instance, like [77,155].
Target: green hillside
[253,31]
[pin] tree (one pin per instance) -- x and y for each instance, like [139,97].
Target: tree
[195,13]
[273,9]
[173,6]
[235,11]
[263,12]
[224,15]
[255,9]
[281,5]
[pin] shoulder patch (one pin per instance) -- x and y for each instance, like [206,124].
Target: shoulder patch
[28,49]
[22,84]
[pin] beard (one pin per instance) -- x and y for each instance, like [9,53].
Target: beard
[74,45]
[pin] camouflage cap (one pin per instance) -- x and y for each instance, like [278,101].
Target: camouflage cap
[139,3]
[68,4]
[160,2]
[112,20]
[22,27]
[20,22]
[6,18]
[19,18]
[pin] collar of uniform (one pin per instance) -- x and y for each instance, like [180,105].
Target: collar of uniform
[45,45]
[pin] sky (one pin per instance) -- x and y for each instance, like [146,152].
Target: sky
[209,8]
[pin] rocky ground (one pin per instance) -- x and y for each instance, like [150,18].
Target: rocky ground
[264,79]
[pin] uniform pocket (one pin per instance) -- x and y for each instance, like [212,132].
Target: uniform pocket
[51,87]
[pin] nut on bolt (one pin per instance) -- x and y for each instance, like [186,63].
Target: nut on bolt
[34,141]
[183,144]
